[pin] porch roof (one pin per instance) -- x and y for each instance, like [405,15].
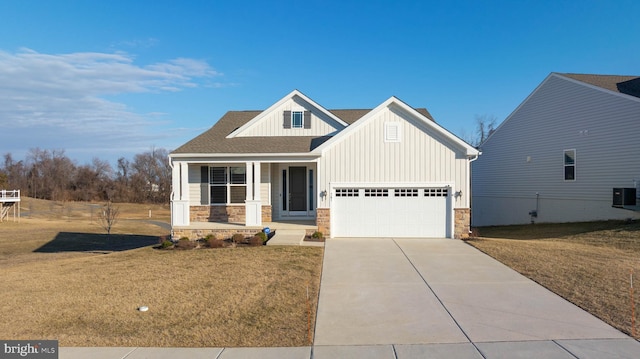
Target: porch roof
[214,141]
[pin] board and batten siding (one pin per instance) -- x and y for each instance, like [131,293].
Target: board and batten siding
[272,123]
[525,156]
[422,156]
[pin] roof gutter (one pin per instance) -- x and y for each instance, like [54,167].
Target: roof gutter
[476,157]
[240,155]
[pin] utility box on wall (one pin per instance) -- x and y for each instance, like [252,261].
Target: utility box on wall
[624,197]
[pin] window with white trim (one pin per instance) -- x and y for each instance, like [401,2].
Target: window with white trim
[228,184]
[297,119]
[569,165]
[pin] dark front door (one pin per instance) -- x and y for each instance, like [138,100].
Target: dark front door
[298,189]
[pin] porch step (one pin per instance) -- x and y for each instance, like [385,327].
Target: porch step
[287,237]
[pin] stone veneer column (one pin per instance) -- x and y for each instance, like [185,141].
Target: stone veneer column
[266,213]
[323,221]
[462,223]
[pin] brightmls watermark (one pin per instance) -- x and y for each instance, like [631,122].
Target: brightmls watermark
[40,349]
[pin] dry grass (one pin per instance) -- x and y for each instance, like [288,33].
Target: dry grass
[589,264]
[63,279]
[47,230]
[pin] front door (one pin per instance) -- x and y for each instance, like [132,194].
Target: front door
[298,191]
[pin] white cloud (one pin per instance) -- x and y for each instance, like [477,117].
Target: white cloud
[60,100]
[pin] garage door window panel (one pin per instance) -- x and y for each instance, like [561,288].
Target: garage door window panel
[347,192]
[436,192]
[406,192]
[376,192]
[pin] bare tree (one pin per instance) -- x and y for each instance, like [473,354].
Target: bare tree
[108,217]
[152,175]
[485,125]
[50,174]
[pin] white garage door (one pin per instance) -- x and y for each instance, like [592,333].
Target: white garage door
[391,212]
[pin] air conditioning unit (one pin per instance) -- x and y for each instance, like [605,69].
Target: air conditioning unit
[624,197]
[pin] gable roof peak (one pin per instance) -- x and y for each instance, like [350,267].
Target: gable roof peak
[280,102]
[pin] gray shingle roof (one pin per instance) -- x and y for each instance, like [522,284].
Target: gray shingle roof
[214,139]
[629,85]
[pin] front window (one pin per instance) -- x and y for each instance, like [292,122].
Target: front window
[228,184]
[297,118]
[570,165]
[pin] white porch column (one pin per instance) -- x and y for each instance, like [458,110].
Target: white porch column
[180,199]
[184,181]
[253,204]
[249,177]
[175,181]
[256,181]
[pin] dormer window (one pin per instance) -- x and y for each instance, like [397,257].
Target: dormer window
[297,119]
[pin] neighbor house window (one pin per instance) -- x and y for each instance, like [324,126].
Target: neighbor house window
[570,165]
[297,119]
[228,184]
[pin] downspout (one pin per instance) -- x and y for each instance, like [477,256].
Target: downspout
[171,165]
[171,195]
[469,186]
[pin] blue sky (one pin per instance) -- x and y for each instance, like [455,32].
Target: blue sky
[109,79]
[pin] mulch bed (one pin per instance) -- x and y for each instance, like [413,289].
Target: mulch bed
[311,239]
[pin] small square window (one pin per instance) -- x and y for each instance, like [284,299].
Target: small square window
[218,194]
[218,175]
[238,175]
[297,119]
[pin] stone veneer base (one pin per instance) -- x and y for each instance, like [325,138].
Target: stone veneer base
[462,223]
[462,218]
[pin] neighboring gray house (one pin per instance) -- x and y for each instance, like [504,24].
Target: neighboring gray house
[390,171]
[559,155]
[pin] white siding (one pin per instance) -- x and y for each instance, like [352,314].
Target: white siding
[195,187]
[422,156]
[276,206]
[272,123]
[265,185]
[525,156]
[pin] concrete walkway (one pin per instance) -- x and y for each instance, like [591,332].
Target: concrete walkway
[424,298]
[292,237]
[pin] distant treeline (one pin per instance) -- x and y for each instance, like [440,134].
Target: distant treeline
[50,174]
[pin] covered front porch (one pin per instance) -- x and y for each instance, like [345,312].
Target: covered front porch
[224,197]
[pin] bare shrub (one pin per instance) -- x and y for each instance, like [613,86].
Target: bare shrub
[256,241]
[108,216]
[186,243]
[214,243]
[238,238]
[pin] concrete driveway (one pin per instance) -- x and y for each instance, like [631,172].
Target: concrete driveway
[406,298]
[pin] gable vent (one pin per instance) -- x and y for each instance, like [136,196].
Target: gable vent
[392,132]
